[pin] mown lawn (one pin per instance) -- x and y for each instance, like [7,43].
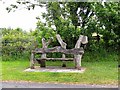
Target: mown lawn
[99,72]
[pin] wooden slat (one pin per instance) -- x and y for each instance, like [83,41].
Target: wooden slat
[59,49]
[65,59]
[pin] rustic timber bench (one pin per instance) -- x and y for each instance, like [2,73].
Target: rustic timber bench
[77,52]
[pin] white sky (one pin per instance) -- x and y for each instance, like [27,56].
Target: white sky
[23,18]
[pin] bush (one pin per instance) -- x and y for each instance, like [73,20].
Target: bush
[16,43]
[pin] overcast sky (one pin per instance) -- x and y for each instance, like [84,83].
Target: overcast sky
[20,18]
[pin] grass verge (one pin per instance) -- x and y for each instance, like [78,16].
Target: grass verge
[99,72]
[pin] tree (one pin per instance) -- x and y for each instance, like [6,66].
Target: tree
[98,17]
[109,20]
[43,31]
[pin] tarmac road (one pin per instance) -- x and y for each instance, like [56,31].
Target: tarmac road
[11,84]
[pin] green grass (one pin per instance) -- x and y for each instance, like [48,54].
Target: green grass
[98,72]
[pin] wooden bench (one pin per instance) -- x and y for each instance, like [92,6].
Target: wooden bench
[77,52]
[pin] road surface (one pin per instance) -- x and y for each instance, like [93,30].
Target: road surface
[11,84]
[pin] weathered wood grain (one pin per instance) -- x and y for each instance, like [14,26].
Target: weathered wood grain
[32,62]
[60,49]
[77,58]
[61,59]
[77,52]
[63,45]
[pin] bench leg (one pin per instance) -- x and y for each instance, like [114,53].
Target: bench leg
[32,62]
[42,63]
[64,62]
[77,59]
[32,67]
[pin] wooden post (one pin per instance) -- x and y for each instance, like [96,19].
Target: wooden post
[77,58]
[42,63]
[64,62]
[63,45]
[82,39]
[32,61]
[44,46]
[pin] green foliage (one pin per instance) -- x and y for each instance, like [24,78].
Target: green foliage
[87,17]
[72,19]
[16,43]
[108,18]
[43,31]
